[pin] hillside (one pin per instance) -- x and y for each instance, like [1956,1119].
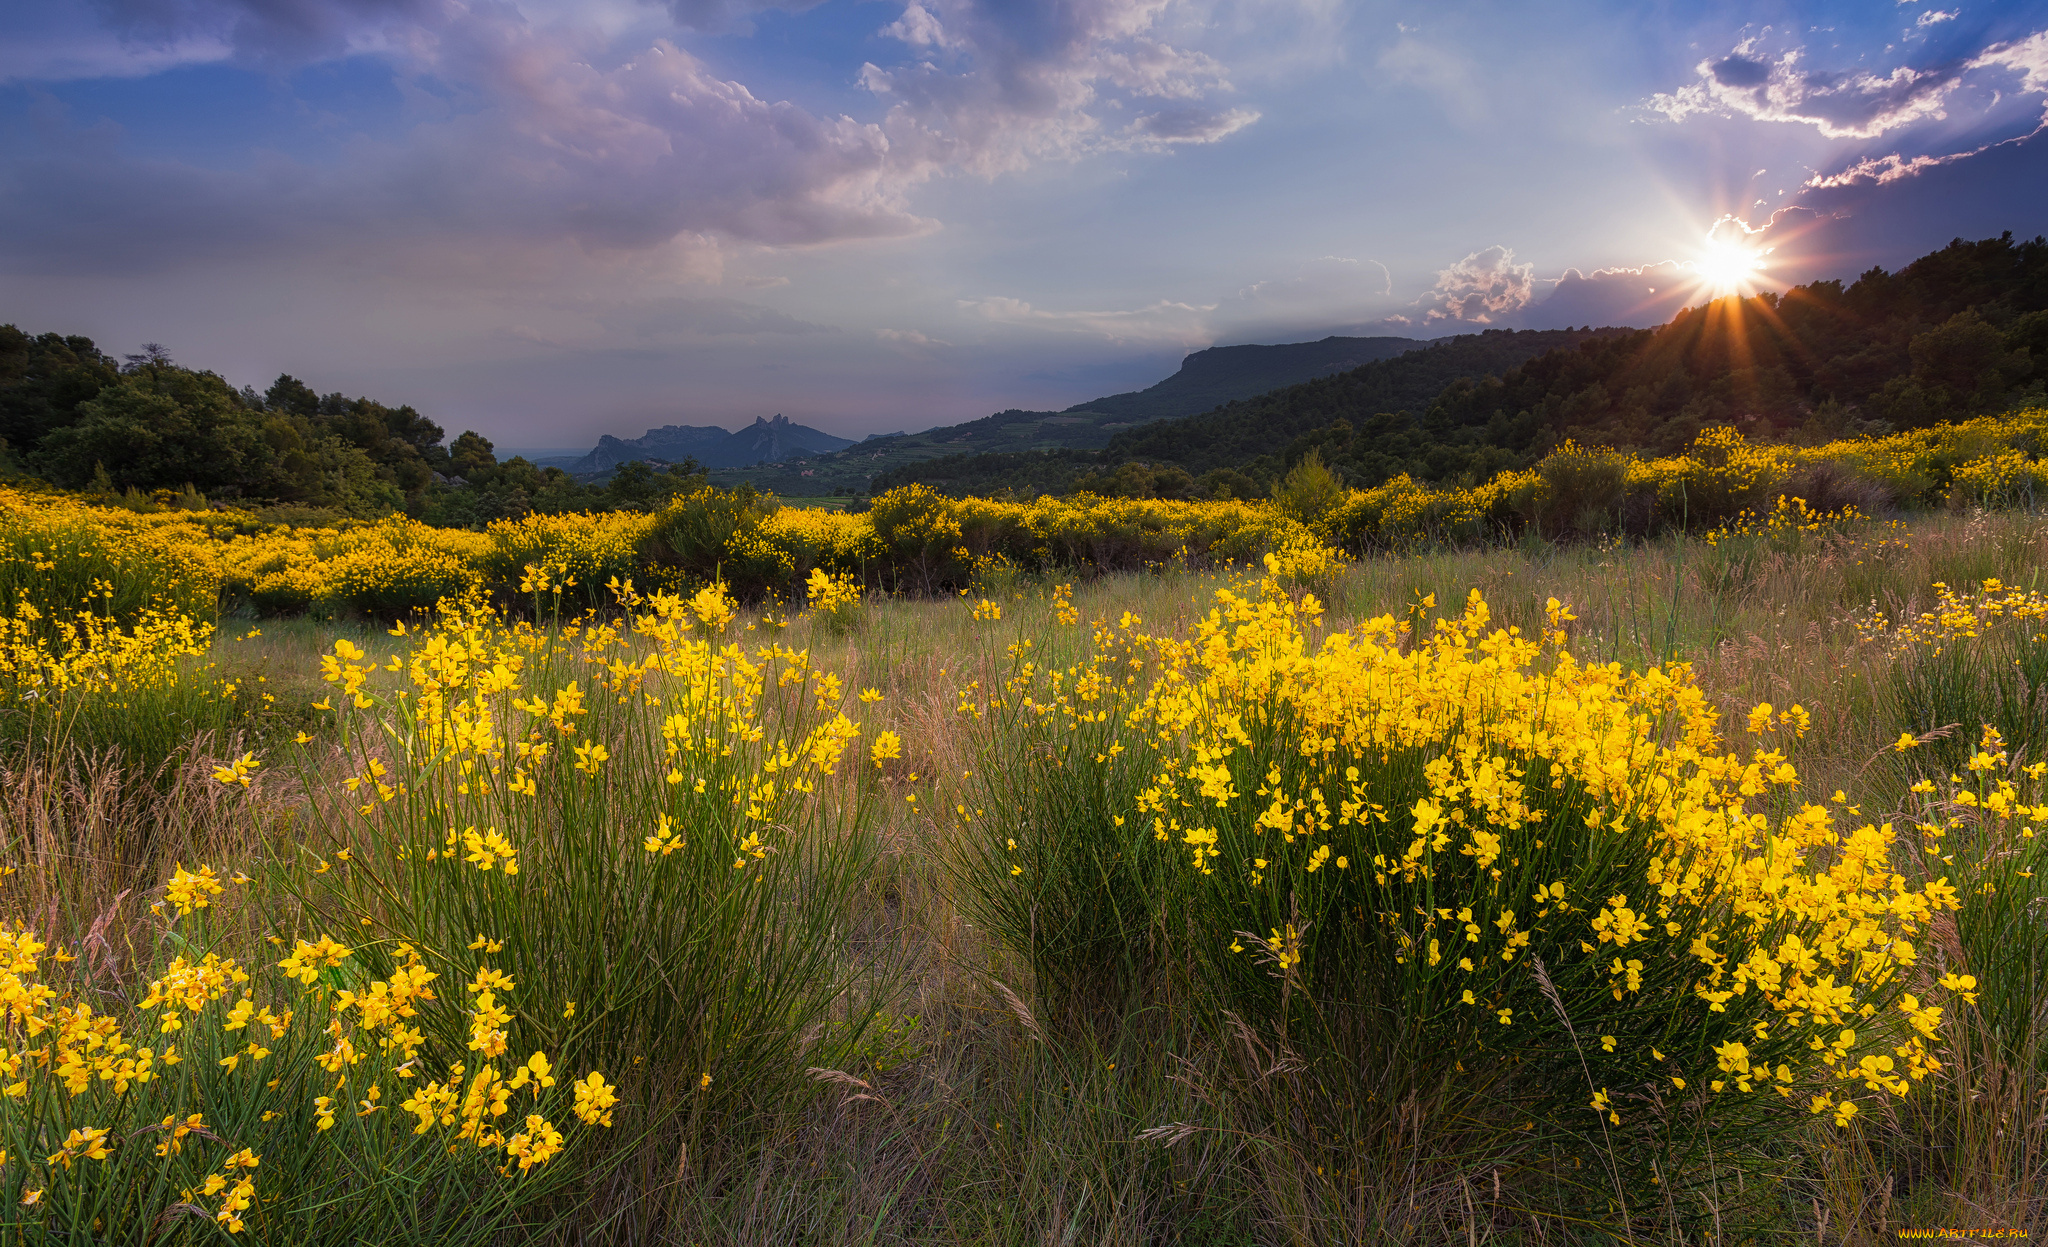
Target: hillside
[1205,378]
[1238,436]
[1959,332]
[1209,378]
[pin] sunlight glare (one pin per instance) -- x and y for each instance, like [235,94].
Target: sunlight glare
[1726,265]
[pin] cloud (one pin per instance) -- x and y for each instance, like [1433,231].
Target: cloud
[2028,56]
[1163,320]
[918,28]
[1015,83]
[911,343]
[1642,296]
[552,137]
[1190,125]
[1755,83]
[1481,288]
[1331,291]
[1751,81]
[655,152]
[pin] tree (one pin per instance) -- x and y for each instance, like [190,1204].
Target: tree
[159,428]
[289,394]
[1309,491]
[471,451]
[43,379]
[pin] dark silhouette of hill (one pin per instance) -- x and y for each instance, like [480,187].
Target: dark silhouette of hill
[763,441]
[1204,379]
[1223,373]
[1238,436]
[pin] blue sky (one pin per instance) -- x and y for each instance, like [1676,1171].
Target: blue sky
[547,219]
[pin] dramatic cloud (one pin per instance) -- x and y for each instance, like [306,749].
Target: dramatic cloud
[2028,57]
[1481,288]
[1751,81]
[633,157]
[544,134]
[1015,83]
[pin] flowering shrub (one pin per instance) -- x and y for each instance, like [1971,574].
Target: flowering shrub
[296,1102]
[834,600]
[1398,854]
[648,827]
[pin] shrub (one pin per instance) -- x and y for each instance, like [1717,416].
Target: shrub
[715,535]
[64,559]
[920,534]
[657,834]
[294,1103]
[835,601]
[1580,491]
[1459,870]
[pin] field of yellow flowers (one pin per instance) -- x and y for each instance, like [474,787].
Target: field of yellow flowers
[1080,871]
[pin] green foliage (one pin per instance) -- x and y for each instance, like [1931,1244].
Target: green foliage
[1309,492]
[714,535]
[1579,491]
[921,535]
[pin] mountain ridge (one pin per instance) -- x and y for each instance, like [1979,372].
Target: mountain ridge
[1205,378]
[763,441]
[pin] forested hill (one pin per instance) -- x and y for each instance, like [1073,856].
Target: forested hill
[1222,373]
[1249,436]
[1239,434]
[1204,379]
[1959,332]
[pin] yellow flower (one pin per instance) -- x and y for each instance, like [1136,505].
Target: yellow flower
[489,848]
[590,755]
[887,745]
[188,890]
[594,1099]
[666,838]
[238,771]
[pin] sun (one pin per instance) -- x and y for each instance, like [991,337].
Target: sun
[1725,266]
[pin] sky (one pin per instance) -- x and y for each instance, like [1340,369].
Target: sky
[551,219]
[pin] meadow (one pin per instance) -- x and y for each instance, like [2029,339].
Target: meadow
[1623,851]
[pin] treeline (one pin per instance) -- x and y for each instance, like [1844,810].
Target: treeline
[143,427]
[1957,333]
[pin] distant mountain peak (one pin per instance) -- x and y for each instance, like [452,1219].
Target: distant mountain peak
[764,441]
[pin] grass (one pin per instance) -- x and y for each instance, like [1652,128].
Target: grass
[980,1097]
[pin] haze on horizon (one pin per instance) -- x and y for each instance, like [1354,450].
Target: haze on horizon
[553,219]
